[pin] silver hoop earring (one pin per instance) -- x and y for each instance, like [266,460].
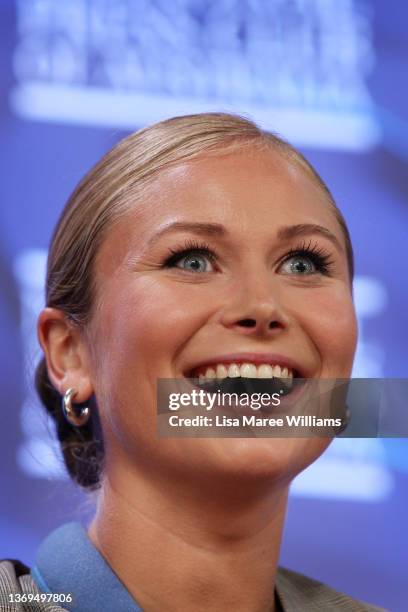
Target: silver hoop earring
[75,418]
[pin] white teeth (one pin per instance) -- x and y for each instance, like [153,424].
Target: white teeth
[265,371]
[234,370]
[222,371]
[210,373]
[277,371]
[245,370]
[248,370]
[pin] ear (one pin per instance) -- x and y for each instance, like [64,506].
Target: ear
[66,353]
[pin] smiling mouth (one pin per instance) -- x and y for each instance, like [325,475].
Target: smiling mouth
[245,378]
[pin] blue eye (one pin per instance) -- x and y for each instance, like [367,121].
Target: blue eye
[194,263]
[300,265]
[307,260]
[192,257]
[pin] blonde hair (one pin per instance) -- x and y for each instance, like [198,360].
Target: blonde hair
[102,197]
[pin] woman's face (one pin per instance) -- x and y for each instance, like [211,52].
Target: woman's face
[203,269]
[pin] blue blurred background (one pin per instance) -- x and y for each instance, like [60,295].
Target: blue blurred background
[329,75]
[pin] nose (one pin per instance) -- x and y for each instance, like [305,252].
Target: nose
[255,309]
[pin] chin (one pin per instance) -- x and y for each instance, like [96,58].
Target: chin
[267,459]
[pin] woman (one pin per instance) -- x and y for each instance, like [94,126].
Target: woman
[198,245]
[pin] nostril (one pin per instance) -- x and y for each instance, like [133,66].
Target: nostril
[247,323]
[274,325]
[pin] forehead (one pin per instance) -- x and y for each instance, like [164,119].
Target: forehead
[243,182]
[251,193]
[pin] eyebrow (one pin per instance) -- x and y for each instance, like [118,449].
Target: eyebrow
[306,229]
[284,233]
[203,229]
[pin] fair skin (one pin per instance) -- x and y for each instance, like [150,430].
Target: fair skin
[197,523]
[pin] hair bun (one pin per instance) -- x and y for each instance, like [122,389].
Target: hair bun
[82,447]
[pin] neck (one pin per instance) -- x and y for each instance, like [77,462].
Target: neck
[191,549]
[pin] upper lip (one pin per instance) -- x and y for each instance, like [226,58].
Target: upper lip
[247,357]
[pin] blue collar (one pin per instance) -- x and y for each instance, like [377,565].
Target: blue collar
[68,562]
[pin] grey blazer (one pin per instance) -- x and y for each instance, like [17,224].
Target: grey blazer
[296,592]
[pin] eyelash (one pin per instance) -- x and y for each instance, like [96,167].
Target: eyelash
[317,255]
[188,247]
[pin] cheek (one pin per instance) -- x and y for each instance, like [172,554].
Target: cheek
[167,315]
[147,319]
[330,320]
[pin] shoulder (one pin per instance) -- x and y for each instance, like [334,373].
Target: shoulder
[15,578]
[298,592]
